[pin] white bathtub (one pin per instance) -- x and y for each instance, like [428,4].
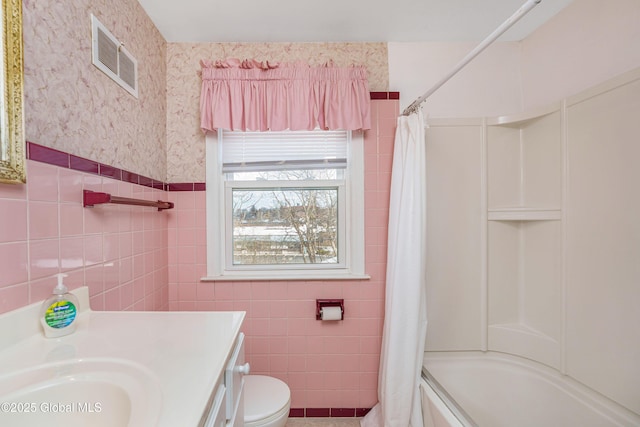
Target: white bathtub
[497,390]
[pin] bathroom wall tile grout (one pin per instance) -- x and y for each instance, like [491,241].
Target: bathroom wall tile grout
[136,258]
[55,234]
[325,365]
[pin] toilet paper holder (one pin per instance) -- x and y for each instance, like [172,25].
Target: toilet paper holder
[320,303]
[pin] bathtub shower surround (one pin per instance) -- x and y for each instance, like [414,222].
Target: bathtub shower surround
[499,390]
[542,259]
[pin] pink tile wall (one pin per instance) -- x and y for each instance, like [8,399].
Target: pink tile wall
[119,252]
[326,364]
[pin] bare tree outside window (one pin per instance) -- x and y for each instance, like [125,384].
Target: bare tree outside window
[292,225]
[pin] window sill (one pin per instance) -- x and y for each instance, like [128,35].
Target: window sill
[247,276]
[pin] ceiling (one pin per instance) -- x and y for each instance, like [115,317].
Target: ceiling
[342,20]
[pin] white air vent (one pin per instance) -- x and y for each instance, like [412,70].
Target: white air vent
[111,57]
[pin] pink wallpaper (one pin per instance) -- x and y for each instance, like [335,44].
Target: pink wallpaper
[185,140]
[119,252]
[72,106]
[326,364]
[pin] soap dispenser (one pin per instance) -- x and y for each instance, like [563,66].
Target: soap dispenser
[59,311]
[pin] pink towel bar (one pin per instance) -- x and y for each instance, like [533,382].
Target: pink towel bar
[92,198]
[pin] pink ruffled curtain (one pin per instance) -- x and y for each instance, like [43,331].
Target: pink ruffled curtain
[260,96]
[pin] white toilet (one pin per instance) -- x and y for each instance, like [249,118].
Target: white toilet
[266,401]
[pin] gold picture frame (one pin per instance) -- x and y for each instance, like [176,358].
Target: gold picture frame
[12,142]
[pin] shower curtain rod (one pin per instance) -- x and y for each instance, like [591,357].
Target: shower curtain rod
[524,9]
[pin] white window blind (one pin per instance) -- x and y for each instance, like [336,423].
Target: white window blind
[286,150]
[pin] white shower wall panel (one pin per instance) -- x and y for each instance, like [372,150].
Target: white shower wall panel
[603,238]
[454,226]
[556,282]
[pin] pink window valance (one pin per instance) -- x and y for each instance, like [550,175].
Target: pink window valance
[260,96]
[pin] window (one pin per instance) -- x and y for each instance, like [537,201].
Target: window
[285,205]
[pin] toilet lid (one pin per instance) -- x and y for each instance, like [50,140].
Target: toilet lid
[263,397]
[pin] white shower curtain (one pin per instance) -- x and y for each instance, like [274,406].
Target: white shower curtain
[405,324]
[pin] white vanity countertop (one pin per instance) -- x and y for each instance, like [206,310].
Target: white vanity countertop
[186,351]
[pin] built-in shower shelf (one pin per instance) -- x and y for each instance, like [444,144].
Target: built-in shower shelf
[524,214]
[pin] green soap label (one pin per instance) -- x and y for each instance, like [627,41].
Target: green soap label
[60,314]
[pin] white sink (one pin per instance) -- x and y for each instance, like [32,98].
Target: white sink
[81,392]
[133,369]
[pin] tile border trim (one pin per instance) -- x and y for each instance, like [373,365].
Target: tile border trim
[328,412]
[384,95]
[51,156]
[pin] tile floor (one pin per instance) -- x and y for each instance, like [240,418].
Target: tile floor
[323,422]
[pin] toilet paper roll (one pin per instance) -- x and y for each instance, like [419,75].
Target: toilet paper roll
[331,313]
